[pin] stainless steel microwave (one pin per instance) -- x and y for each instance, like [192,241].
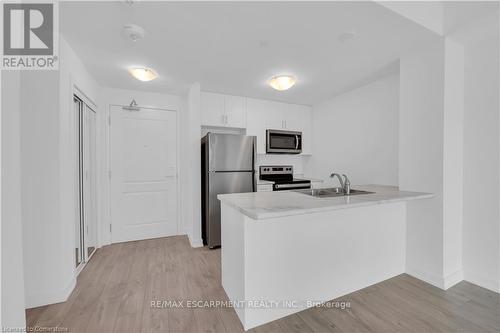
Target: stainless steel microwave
[283,142]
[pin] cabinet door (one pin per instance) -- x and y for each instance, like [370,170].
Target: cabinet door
[235,109]
[292,119]
[257,111]
[212,109]
[305,119]
[275,115]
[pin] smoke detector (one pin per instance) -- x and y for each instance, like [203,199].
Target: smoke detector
[133,32]
[346,36]
[131,2]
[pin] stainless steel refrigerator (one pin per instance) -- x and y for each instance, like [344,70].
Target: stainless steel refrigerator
[227,164]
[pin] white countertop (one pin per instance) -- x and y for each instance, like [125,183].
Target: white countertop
[266,205]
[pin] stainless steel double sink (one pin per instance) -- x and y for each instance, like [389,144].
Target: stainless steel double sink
[330,192]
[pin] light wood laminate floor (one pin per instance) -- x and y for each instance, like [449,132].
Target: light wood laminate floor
[115,290]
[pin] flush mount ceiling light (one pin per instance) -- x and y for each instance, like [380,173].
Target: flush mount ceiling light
[143,74]
[282,82]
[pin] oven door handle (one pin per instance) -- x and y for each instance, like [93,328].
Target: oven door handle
[292,186]
[296,142]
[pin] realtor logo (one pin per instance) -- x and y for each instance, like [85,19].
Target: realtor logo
[29,35]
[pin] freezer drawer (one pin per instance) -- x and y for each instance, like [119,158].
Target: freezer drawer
[222,183]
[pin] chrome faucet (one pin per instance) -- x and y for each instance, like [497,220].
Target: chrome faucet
[345,183]
[333,175]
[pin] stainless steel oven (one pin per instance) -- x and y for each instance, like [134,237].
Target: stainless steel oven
[282,177]
[283,142]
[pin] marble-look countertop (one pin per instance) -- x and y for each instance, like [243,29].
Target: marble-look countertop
[266,205]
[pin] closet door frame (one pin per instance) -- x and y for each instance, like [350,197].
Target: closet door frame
[78,179]
[86,199]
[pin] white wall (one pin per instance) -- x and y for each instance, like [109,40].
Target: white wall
[111,96]
[193,153]
[48,187]
[73,77]
[40,179]
[453,120]
[48,164]
[426,13]
[470,144]
[481,179]
[297,161]
[356,133]
[421,158]
[12,272]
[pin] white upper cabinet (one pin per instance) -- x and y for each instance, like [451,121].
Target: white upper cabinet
[223,110]
[263,115]
[258,113]
[235,107]
[304,116]
[212,109]
[274,115]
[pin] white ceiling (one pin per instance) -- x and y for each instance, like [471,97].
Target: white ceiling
[234,47]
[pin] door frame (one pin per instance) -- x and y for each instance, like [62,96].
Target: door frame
[108,227]
[96,202]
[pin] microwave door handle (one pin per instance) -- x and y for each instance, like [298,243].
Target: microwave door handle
[296,142]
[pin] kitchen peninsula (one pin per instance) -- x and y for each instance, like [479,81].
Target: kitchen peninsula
[292,250]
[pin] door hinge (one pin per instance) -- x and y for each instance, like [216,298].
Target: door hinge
[110,227]
[109,174]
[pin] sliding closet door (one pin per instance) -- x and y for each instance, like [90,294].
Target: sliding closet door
[90,182]
[78,111]
[86,223]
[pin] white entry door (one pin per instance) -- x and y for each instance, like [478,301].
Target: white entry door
[143,174]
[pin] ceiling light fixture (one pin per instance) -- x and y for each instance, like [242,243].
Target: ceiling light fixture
[282,82]
[143,74]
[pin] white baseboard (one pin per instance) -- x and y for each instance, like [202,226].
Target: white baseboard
[482,281]
[46,298]
[197,242]
[452,279]
[436,280]
[431,278]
